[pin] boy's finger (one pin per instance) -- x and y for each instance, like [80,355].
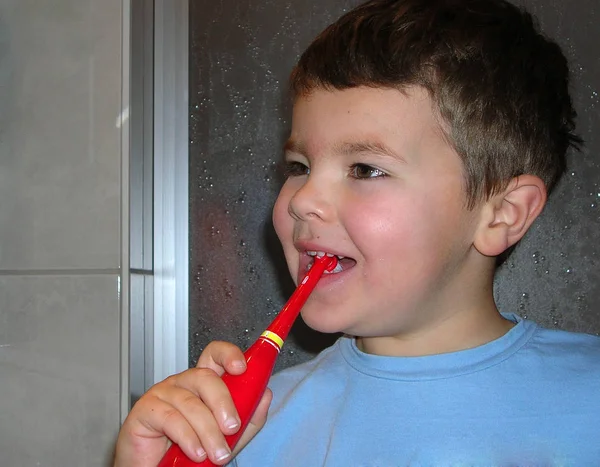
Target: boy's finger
[257,422]
[166,420]
[220,356]
[204,416]
[199,388]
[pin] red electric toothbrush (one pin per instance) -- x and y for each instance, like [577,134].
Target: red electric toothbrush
[247,389]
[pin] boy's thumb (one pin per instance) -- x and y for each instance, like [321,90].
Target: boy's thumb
[220,356]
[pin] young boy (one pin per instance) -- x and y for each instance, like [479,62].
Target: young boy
[425,137]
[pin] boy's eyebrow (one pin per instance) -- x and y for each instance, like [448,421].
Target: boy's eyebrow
[358,147]
[291,145]
[347,148]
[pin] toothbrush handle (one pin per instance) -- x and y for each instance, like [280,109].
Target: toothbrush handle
[247,389]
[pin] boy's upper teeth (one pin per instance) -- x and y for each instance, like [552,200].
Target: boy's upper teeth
[320,254]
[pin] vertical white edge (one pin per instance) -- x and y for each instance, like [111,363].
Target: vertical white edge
[170,188]
[182,193]
[141,160]
[124,276]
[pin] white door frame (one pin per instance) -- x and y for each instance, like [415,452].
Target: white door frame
[171,200]
[154,251]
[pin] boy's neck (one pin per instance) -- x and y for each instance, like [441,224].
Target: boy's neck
[463,315]
[463,330]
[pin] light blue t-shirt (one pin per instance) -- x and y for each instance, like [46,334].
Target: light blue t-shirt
[529,398]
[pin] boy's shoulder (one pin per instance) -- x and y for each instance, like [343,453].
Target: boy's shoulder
[566,344]
[574,352]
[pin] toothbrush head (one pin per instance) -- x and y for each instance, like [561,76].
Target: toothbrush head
[332,263]
[329,262]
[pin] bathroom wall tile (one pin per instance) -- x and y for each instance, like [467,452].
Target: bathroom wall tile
[59,361]
[49,421]
[60,162]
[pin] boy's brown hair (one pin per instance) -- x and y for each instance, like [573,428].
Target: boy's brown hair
[501,87]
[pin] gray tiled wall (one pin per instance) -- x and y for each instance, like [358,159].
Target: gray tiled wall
[60,192]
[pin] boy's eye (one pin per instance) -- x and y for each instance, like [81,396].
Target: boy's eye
[295,169]
[362,171]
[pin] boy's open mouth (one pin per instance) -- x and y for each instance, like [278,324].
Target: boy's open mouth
[343,264]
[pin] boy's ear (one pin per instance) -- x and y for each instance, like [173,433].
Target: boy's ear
[507,216]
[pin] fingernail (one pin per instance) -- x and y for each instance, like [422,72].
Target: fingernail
[201,453]
[238,364]
[231,423]
[222,453]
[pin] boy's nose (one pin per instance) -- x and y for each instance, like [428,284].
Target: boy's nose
[312,201]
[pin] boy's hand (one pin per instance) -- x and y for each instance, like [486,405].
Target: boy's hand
[193,409]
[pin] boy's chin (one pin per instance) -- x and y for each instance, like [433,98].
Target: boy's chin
[320,324]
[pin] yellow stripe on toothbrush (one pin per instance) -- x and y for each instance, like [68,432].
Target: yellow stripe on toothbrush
[273,337]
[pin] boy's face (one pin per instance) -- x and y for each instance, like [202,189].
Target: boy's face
[371,178]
